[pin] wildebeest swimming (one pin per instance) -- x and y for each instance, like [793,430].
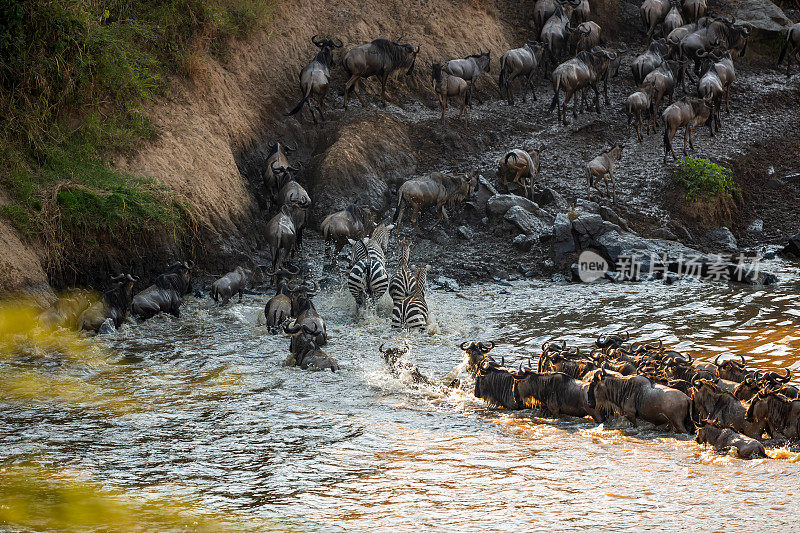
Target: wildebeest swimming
[114,305]
[166,293]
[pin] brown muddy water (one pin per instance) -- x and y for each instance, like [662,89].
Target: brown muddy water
[235,430]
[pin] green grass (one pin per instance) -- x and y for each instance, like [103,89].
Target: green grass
[705,180]
[74,75]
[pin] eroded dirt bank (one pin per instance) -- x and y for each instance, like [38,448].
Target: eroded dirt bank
[215,131]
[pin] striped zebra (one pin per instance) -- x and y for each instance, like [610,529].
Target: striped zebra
[412,311]
[367,276]
[403,282]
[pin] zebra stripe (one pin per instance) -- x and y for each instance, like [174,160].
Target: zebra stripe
[403,282]
[412,312]
[367,276]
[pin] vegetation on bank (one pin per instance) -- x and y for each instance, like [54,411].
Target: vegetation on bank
[74,75]
[706,180]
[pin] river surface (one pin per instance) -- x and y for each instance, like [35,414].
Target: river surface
[230,427]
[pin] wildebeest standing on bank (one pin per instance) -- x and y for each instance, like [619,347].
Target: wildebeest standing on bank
[673,19]
[723,439]
[586,69]
[793,42]
[354,222]
[315,76]
[519,62]
[115,304]
[166,293]
[379,58]
[586,36]
[469,69]
[602,167]
[649,60]
[687,113]
[662,82]
[446,85]
[556,32]
[521,164]
[436,189]
[653,13]
[281,236]
[231,283]
[694,9]
[638,106]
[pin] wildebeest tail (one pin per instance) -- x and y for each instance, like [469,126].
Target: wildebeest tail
[783,50]
[554,101]
[214,293]
[667,143]
[299,105]
[503,74]
[688,420]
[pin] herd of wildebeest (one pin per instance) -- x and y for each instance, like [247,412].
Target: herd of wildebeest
[733,405]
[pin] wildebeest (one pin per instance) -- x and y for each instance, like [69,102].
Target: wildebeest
[446,85]
[727,74]
[166,293]
[694,9]
[379,58]
[556,392]
[718,32]
[115,304]
[398,367]
[476,352]
[710,88]
[556,32]
[354,222]
[637,106]
[723,439]
[731,370]
[295,196]
[686,113]
[779,414]
[66,310]
[793,42]
[542,12]
[495,385]
[436,189]
[653,13]
[584,70]
[602,167]
[748,388]
[231,283]
[315,76]
[469,69]
[711,402]
[582,11]
[276,165]
[305,312]
[673,19]
[523,165]
[662,82]
[636,397]
[519,63]
[279,308]
[281,236]
[307,353]
[586,36]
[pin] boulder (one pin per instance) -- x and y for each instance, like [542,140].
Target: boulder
[527,222]
[588,224]
[446,283]
[551,197]
[792,248]
[483,193]
[723,237]
[587,206]
[524,242]
[499,204]
[756,226]
[562,236]
[761,14]
[465,233]
[664,233]
[609,214]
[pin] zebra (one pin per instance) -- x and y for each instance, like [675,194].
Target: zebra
[403,282]
[367,276]
[412,311]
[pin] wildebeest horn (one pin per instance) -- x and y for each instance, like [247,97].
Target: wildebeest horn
[716,360]
[291,330]
[337,45]
[273,168]
[465,345]
[294,272]
[510,155]
[417,50]
[785,378]
[118,277]
[318,43]
[132,278]
[309,331]
[380,348]
[486,347]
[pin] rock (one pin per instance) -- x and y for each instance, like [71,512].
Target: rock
[525,221]
[499,204]
[558,278]
[106,327]
[587,206]
[562,236]
[465,233]
[550,197]
[761,14]
[524,242]
[588,224]
[485,221]
[774,183]
[664,233]
[756,226]
[446,283]
[574,271]
[792,248]
[609,214]
[484,191]
[723,237]
[609,226]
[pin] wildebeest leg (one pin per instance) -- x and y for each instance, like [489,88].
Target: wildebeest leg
[574,106]
[241,292]
[686,131]
[383,89]
[613,185]
[442,213]
[443,102]
[596,97]
[605,89]
[531,82]
[414,216]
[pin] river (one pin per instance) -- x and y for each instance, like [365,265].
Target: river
[230,427]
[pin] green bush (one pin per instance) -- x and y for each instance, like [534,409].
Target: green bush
[73,77]
[705,179]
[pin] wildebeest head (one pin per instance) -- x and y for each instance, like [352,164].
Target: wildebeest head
[410,55]
[476,353]
[731,370]
[184,270]
[774,379]
[482,59]
[391,355]
[708,432]
[612,341]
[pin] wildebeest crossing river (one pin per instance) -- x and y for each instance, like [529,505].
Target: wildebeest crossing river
[360,450]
